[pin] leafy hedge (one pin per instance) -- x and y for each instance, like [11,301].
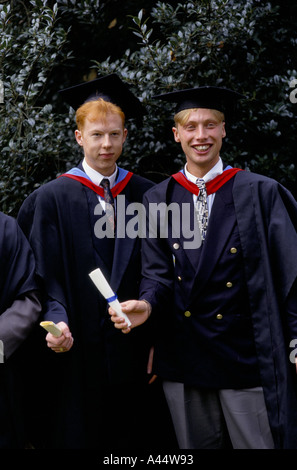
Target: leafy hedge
[248,46]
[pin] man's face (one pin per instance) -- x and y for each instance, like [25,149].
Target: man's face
[102,142]
[201,140]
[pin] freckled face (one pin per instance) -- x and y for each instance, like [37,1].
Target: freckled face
[102,142]
[201,139]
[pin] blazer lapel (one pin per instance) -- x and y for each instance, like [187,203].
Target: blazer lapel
[187,223]
[221,224]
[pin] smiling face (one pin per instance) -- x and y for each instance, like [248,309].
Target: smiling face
[102,141]
[201,137]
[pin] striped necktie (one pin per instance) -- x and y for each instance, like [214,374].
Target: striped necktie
[202,208]
[109,204]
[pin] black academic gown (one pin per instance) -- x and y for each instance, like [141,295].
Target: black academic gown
[207,337]
[104,374]
[19,311]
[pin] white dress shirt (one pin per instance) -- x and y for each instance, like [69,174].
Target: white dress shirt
[215,171]
[96,178]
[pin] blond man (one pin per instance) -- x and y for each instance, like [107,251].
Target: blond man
[225,308]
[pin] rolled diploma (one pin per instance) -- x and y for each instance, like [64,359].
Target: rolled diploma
[102,285]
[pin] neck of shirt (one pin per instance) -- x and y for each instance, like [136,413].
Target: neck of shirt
[97,177]
[216,170]
[213,172]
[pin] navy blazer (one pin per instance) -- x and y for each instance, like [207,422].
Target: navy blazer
[205,335]
[236,294]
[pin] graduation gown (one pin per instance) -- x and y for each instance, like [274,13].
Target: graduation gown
[19,311]
[225,313]
[103,364]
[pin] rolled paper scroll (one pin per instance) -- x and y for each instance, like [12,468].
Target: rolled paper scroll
[103,286]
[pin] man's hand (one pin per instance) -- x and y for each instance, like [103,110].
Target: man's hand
[63,343]
[138,312]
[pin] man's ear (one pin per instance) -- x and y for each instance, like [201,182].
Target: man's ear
[125,134]
[176,135]
[78,136]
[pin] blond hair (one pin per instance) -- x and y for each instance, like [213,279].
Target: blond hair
[97,109]
[183,116]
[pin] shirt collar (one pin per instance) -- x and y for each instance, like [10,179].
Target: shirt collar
[215,171]
[96,177]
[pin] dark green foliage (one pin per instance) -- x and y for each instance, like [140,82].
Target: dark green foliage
[31,134]
[247,46]
[155,47]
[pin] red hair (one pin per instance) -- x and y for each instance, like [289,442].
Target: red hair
[97,109]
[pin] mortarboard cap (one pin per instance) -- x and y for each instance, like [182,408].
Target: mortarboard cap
[110,88]
[210,97]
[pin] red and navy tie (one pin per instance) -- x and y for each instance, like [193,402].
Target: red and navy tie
[109,203]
